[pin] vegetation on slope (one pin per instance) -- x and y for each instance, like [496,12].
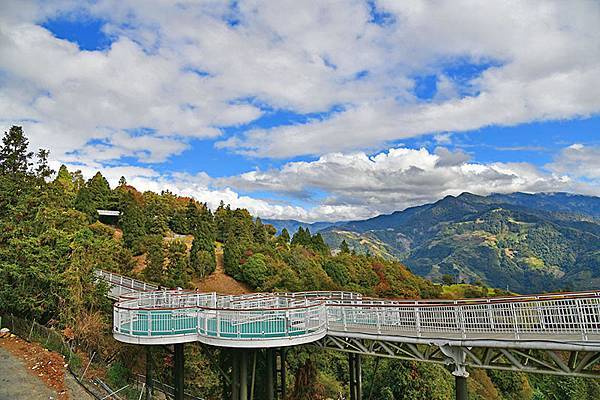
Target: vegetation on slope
[51,240]
[496,240]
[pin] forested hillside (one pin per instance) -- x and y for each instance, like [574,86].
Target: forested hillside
[528,243]
[52,239]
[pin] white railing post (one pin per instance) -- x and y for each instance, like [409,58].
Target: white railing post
[218,327]
[344,318]
[490,313]
[515,319]
[461,316]
[130,322]
[582,319]
[149,323]
[378,320]
[418,321]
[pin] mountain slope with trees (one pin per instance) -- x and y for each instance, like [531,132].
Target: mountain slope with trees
[530,243]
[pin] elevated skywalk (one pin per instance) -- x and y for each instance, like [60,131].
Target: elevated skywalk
[551,333]
[145,315]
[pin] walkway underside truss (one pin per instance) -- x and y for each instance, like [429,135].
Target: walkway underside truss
[566,363]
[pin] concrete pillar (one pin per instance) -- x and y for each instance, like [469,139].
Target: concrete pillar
[178,371]
[270,364]
[149,373]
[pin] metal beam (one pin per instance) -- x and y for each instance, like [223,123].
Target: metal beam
[552,362]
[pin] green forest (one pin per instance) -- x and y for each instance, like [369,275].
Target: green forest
[52,239]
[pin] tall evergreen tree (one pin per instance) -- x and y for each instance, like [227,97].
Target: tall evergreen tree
[202,254]
[344,248]
[319,245]
[260,232]
[96,194]
[133,223]
[155,259]
[284,236]
[15,158]
[178,264]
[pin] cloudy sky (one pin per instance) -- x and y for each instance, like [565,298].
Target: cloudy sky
[310,110]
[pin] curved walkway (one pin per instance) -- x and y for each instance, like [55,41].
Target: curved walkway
[569,321]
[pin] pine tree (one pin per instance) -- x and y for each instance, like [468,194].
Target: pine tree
[96,194]
[42,170]
[202,254]
[344,248]
[284,236]
[178,264]
[319,245]
[133,223]
[155,259]
[260,232]
[64,180]
[15,158]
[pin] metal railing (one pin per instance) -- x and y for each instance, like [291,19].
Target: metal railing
[577,318]
[573,317]
[122,285]
[174,313]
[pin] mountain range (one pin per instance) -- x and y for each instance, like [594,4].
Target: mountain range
[521,242]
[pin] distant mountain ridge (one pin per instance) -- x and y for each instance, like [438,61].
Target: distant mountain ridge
[292,225]
[528,242]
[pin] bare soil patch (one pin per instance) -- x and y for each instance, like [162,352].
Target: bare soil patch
[219,281]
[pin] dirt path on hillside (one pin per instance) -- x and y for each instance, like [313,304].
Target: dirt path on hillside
[30,372]
[220,282]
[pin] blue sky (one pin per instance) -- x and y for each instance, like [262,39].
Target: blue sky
[310,111]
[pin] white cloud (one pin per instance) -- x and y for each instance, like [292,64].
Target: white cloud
[399,178]
[549,54]
[357,185]
[303,56]
[178,70]
[578,161]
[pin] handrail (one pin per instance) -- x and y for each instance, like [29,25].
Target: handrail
[256,317]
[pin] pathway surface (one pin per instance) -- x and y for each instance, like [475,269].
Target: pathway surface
[30,372]
[220,282]
[16,382]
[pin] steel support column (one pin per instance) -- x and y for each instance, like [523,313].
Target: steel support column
[178,371]
[281,372]
[358,377]
[457,356]
[355,378]
[244,375]
[149,373]
[235,374]
[270,364]
[461,387]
